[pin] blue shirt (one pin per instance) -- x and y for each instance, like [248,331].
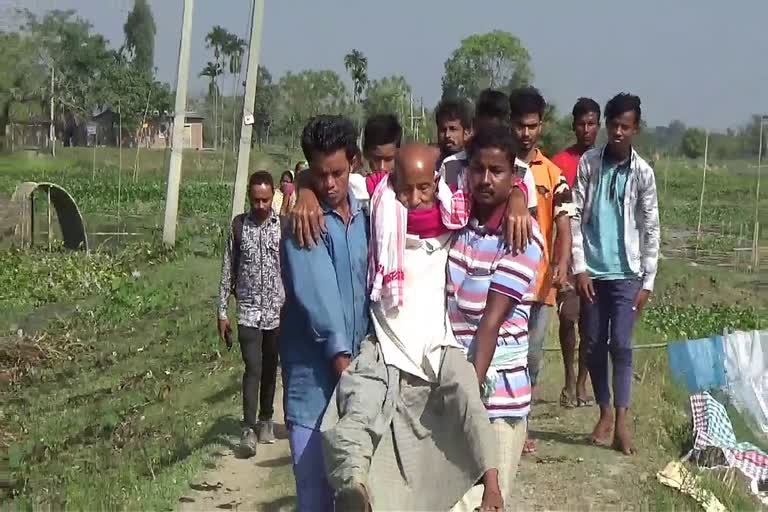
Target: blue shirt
[325,312]
[604,247]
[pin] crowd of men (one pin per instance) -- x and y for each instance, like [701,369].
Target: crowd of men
[409,302]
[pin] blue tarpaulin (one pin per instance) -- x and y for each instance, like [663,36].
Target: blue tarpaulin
[698,363]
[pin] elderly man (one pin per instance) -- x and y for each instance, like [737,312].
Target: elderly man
[410,402]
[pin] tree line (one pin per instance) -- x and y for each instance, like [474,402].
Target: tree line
[58,55]
[89,76]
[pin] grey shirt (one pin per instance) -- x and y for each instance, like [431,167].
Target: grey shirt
[257,281]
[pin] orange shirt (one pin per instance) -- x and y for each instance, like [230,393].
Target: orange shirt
[553,197]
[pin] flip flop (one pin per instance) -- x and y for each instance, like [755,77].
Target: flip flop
[584,402]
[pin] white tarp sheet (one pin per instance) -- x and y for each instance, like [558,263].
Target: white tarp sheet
[746,373]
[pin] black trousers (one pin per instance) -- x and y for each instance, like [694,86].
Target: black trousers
[259,350]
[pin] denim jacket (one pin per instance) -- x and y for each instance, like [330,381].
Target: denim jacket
[640,211]
[325,313]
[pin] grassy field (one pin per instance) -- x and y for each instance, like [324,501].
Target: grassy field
[116,392]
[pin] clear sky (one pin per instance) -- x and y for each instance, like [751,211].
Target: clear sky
[702,61]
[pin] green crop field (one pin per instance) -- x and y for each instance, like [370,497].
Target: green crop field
[116,392]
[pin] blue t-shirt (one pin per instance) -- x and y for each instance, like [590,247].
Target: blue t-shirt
[604,247]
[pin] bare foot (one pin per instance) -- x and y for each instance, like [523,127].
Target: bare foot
[622,441]
[492,500]
[529,446]
[601,435]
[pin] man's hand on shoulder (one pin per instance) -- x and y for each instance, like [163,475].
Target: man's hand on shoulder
[307,218]
[518,229]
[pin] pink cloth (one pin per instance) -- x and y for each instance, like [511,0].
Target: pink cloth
[426,223]
[287,189]
[389,225]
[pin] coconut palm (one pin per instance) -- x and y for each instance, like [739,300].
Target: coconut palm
[234,48]
[212,71]
[357,66]
[216,39]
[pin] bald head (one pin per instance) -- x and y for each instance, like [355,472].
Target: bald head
[415,175]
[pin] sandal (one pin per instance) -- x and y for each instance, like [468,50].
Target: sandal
[584,402]
[565,399]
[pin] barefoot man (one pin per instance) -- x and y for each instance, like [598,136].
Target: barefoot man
[615,256]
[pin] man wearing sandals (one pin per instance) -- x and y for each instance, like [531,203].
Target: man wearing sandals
[586,125]
[553,210]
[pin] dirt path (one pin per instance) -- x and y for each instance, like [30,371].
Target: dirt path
[263,482]
[565,473]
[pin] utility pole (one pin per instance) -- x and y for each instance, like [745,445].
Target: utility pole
[177,140]
[51,128]
[703,184]
[410,102]
[244,153]
[756,233]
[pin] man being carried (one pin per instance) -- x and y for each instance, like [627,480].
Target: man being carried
[586,124]
[553,210]
[251,272]
[326,312]
[615,256]
[410,398]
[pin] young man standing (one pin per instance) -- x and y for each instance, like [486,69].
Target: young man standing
[492,109]
[454,127]
[616,237]
[586,124]
[326,312]
[251,272]
[381,139]
[554,209]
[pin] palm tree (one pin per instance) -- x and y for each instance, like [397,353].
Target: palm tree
[234,48]
[216,39]
[211,70]
[357,66]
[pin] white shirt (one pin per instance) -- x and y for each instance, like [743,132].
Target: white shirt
[461,157]
[357,187]
[411,336]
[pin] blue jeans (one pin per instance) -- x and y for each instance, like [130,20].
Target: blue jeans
[538,322]
[606,325]
[313,493]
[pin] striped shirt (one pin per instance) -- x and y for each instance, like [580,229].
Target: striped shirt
[480,262]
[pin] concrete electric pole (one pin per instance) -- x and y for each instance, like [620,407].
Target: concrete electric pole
[177,139]
[52,128]
[244,153]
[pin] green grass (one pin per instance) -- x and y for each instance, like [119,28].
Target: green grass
[132,397]
[117,393]
[689,302]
